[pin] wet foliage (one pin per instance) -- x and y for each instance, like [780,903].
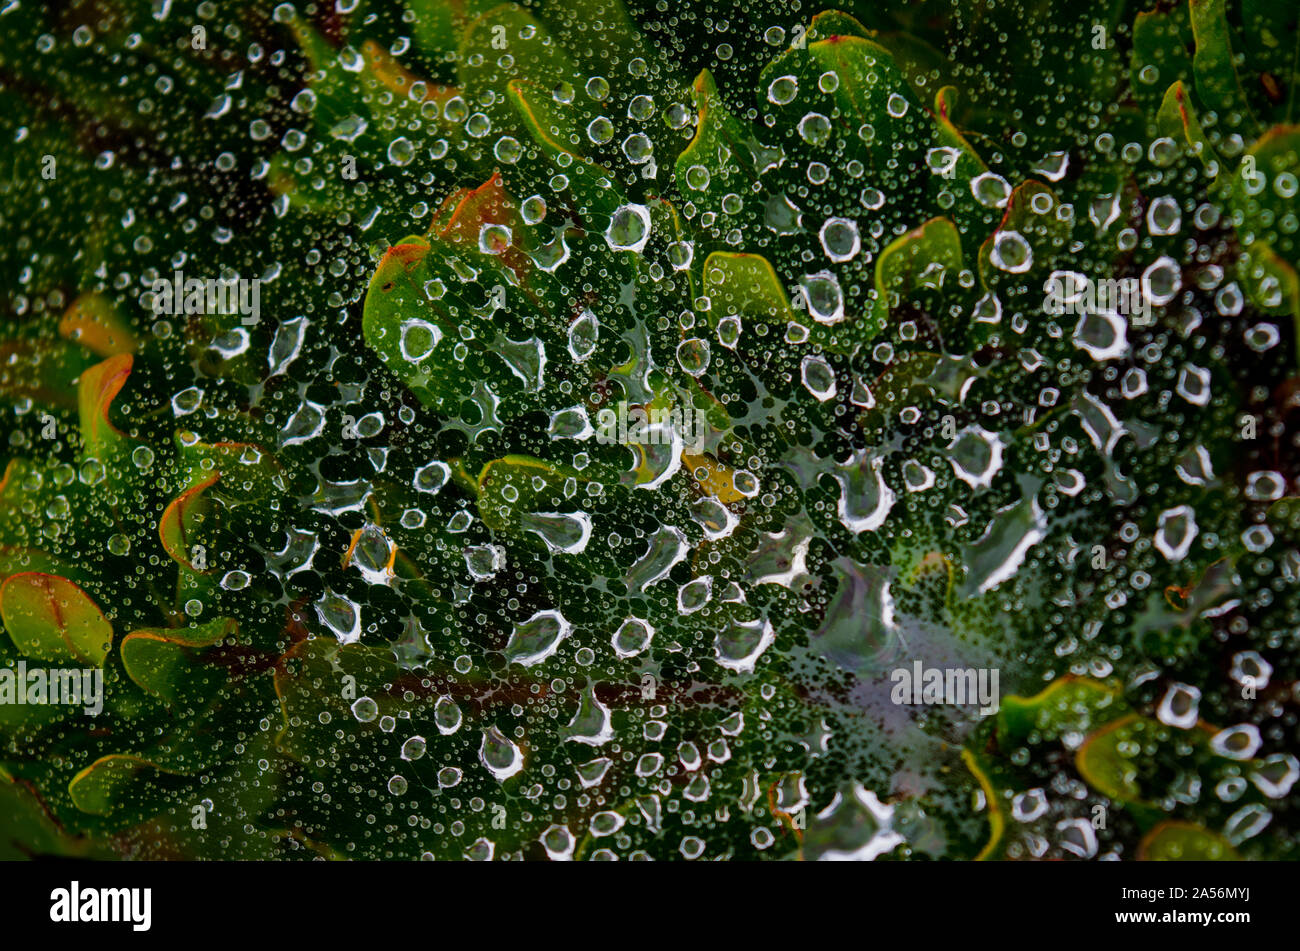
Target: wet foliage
[611,401]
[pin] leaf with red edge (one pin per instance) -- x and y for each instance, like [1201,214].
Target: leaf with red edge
[463,218]
[96,391]
[162,660]
[101,788]
[1185,842]
[49,618]
[96,324]
[182,518]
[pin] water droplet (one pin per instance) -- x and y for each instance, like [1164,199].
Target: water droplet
[1164,216]
[499,755]
[400,151]
[818,378]
[584,333]
[1011,252]
[534,640]
[629,229]
[1175,532]
[840,239]
[782,90]
[1179,706]
[823,297]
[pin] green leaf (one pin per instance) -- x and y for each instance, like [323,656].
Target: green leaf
[359,96]
[96,391]
[510,487]
[338,98]
[162,660]
[1161,40]
[913,268]
[723,157]
[530,52]
[1185,842]
[319,675]
[1035,219]
[534,52]
[120,782]
[1067,705]
[747,285]
[181,519]
[1177,119]
[1217,84]
[591,28]
[1261,194]
[50,618]
[557,128]
[93,322]
[44,374]
[1102,764]
[28,830]
[1271,43]
[1272,283]
[979,768]
[437,25]
[15,559]
[869,85]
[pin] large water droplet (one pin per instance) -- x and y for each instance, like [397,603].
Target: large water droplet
[823,297]
[499,755]
[629,229]
[534,640]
